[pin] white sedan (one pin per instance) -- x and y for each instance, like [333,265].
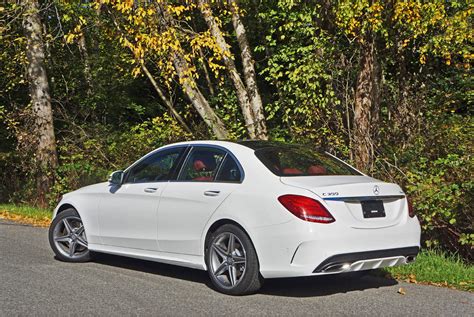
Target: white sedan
[243,211]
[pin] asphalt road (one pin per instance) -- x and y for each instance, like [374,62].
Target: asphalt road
[32,282]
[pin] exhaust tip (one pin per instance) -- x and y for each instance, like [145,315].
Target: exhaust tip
[339,267]
[410,258]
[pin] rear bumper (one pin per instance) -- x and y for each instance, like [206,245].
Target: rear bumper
[359,261]
[299,248]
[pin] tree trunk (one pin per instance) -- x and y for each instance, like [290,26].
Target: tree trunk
[189,85]
[206,74]
[165,100]
[363,106]
[197,99]
[240,89]
[85,57]
[403,112]
[249,73]
[46,155]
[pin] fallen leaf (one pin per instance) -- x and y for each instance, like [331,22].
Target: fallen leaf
[401,291]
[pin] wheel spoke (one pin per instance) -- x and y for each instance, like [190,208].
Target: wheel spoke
[220,269]
[62,238]
[72,248]
[231,243]
[82,242]
[80,230]
[67,226]
[219,250]
[239,259]
[232,275]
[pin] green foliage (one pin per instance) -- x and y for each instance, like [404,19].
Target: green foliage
[226,104]
[301,68]
[441,183]
[307,57]
[434,266]
[87,160]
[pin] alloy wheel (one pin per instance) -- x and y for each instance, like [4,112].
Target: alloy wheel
[227,259]
[70,238]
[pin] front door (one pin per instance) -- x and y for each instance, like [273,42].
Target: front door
[128,213]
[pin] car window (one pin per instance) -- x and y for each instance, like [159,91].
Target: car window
[156,167]
[202,165]
[229,171]
[301,161]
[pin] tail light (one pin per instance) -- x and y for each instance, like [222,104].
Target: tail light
[411,212]
[306,208]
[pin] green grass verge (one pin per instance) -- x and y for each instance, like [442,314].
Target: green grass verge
[439,268]
[27,211]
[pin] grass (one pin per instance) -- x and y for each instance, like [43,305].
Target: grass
[26,214]
[431,266]
[436,268]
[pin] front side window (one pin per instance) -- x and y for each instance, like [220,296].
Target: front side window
[202,165]
[294,160]
[156,167]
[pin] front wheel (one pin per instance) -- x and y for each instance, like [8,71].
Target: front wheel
[232,262]
[67,237]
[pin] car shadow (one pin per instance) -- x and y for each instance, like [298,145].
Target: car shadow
[318,286]
[168,270]
[314,286]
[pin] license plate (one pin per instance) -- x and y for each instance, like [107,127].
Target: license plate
[373,209]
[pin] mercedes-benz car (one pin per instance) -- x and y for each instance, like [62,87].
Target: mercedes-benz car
[244,211]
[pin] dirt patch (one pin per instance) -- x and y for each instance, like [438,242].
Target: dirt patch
[35,222]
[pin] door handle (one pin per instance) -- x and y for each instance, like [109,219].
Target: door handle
[212,193]
[150,190]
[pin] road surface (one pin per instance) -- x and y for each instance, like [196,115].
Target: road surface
[32,282]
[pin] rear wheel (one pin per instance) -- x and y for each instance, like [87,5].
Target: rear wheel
[67,237]
[232,262]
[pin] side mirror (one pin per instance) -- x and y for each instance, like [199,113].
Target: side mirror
[116,178]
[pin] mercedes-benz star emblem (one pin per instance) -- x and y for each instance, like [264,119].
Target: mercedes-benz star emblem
[376,190]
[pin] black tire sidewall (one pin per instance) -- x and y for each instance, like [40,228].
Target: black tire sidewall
[70,212]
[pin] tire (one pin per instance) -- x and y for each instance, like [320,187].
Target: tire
[67,237]
[236,272]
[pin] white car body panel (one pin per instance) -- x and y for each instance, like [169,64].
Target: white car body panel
[171,224]
[128,216]
[184,212]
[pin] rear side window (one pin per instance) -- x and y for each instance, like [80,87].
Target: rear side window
[301,161]
[202,165]
[229,171]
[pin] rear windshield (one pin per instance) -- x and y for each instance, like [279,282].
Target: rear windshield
[301,161]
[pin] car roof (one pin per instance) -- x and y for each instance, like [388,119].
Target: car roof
[261,144]
[252,144]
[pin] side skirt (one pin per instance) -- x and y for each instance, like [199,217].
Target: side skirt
[186,260]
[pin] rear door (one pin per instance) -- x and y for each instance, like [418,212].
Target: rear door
[207,178]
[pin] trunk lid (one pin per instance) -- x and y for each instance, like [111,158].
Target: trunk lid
[350,199]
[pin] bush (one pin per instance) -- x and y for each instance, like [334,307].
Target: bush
[90,158]
[437,174]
